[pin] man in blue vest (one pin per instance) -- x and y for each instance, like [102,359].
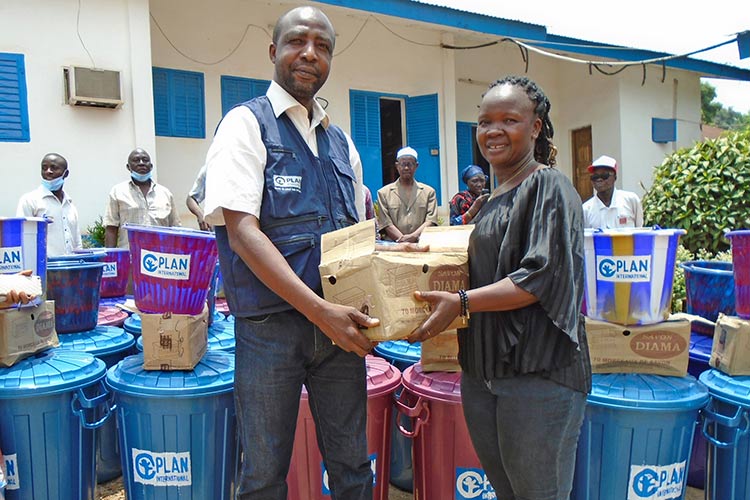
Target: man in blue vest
[278,176]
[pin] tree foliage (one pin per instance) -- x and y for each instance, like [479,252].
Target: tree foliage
[704,190]
[714,113]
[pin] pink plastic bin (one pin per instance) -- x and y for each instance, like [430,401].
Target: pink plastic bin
[307,478]
[171,267]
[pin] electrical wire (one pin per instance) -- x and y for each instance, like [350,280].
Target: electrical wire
[78,32]
[210,63]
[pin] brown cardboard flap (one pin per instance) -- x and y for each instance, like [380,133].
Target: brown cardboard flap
[440,353]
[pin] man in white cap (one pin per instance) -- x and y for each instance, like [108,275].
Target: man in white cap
[610,208]
[406,206]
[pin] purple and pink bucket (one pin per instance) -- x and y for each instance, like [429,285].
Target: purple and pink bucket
[172,268]
[23,245]
[740,240]
[115,273]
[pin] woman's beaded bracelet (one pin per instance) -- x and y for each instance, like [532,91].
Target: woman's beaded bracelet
[464,303]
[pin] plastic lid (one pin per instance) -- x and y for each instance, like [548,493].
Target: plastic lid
[630,231]
[214,374]
[133,324]
[382,377]
[78,263]
[221,335]
[700,347]
[100,341]
[727,388]
[50,372]
[440,386]
[111,315]
[655,392]
[88,255]
[739,232]
[114,301]
[399,350]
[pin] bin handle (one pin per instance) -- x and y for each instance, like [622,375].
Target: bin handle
[413,412]
[709,413]
[81,402]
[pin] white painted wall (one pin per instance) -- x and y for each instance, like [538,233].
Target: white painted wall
[121,36]
[95,142]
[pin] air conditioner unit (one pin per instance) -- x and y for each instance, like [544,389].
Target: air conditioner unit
[99,88]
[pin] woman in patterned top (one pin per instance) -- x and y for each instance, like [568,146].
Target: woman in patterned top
[466,204]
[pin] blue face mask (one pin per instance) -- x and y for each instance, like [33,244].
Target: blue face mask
[141,177]
[54,184]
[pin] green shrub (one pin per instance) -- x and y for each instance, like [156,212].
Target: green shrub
[704,190]
[94,236]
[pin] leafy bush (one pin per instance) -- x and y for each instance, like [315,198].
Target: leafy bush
[94,236]
[704,190]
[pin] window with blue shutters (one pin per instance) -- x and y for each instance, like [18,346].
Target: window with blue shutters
[423,134]
[14,108]
[365,124]
[465,149]
[179,103]
[237,89]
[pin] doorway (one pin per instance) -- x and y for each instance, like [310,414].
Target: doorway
[391,135]
[581,161]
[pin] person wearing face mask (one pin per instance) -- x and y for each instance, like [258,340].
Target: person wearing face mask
[139,200]
[50,201]
[610,208]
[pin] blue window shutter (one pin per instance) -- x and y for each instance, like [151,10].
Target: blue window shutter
[365,125]
[14,111]
[161,101]
[423,134]
[464,146]
[236,89]
[179,103]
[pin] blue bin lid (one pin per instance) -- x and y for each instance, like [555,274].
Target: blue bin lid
[726,387]
[700,347]
[399,350]
[100,341]
[221,335]
[114,301]
[641,391]
[50,372]
[133,324]
[214,374]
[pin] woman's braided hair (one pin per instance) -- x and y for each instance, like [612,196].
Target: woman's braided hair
[544,150]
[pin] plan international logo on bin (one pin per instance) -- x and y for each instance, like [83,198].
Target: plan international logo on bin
[649,482]
[162,469]
[10,260]
[629,268]
[109,270]
[170,266]
[472,484]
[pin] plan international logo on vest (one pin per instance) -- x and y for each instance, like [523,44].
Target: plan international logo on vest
[625,268]
[10,260]
[170,266]
[287,183]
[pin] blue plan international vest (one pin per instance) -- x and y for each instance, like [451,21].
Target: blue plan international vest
[303,197]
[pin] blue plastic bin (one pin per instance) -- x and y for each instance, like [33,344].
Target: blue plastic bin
[637,436]
[726,427]
[709,288]
[402,355]
[110,344]
[700,353]
[133,325]
[50,405]
[177,429]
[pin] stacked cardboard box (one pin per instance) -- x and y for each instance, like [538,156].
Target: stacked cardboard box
[730,351]
[26,331]
[356,272]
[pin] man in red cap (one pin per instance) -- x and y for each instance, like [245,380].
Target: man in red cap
[610,208]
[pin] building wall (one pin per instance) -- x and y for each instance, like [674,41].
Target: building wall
[396,56]
[95,142]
